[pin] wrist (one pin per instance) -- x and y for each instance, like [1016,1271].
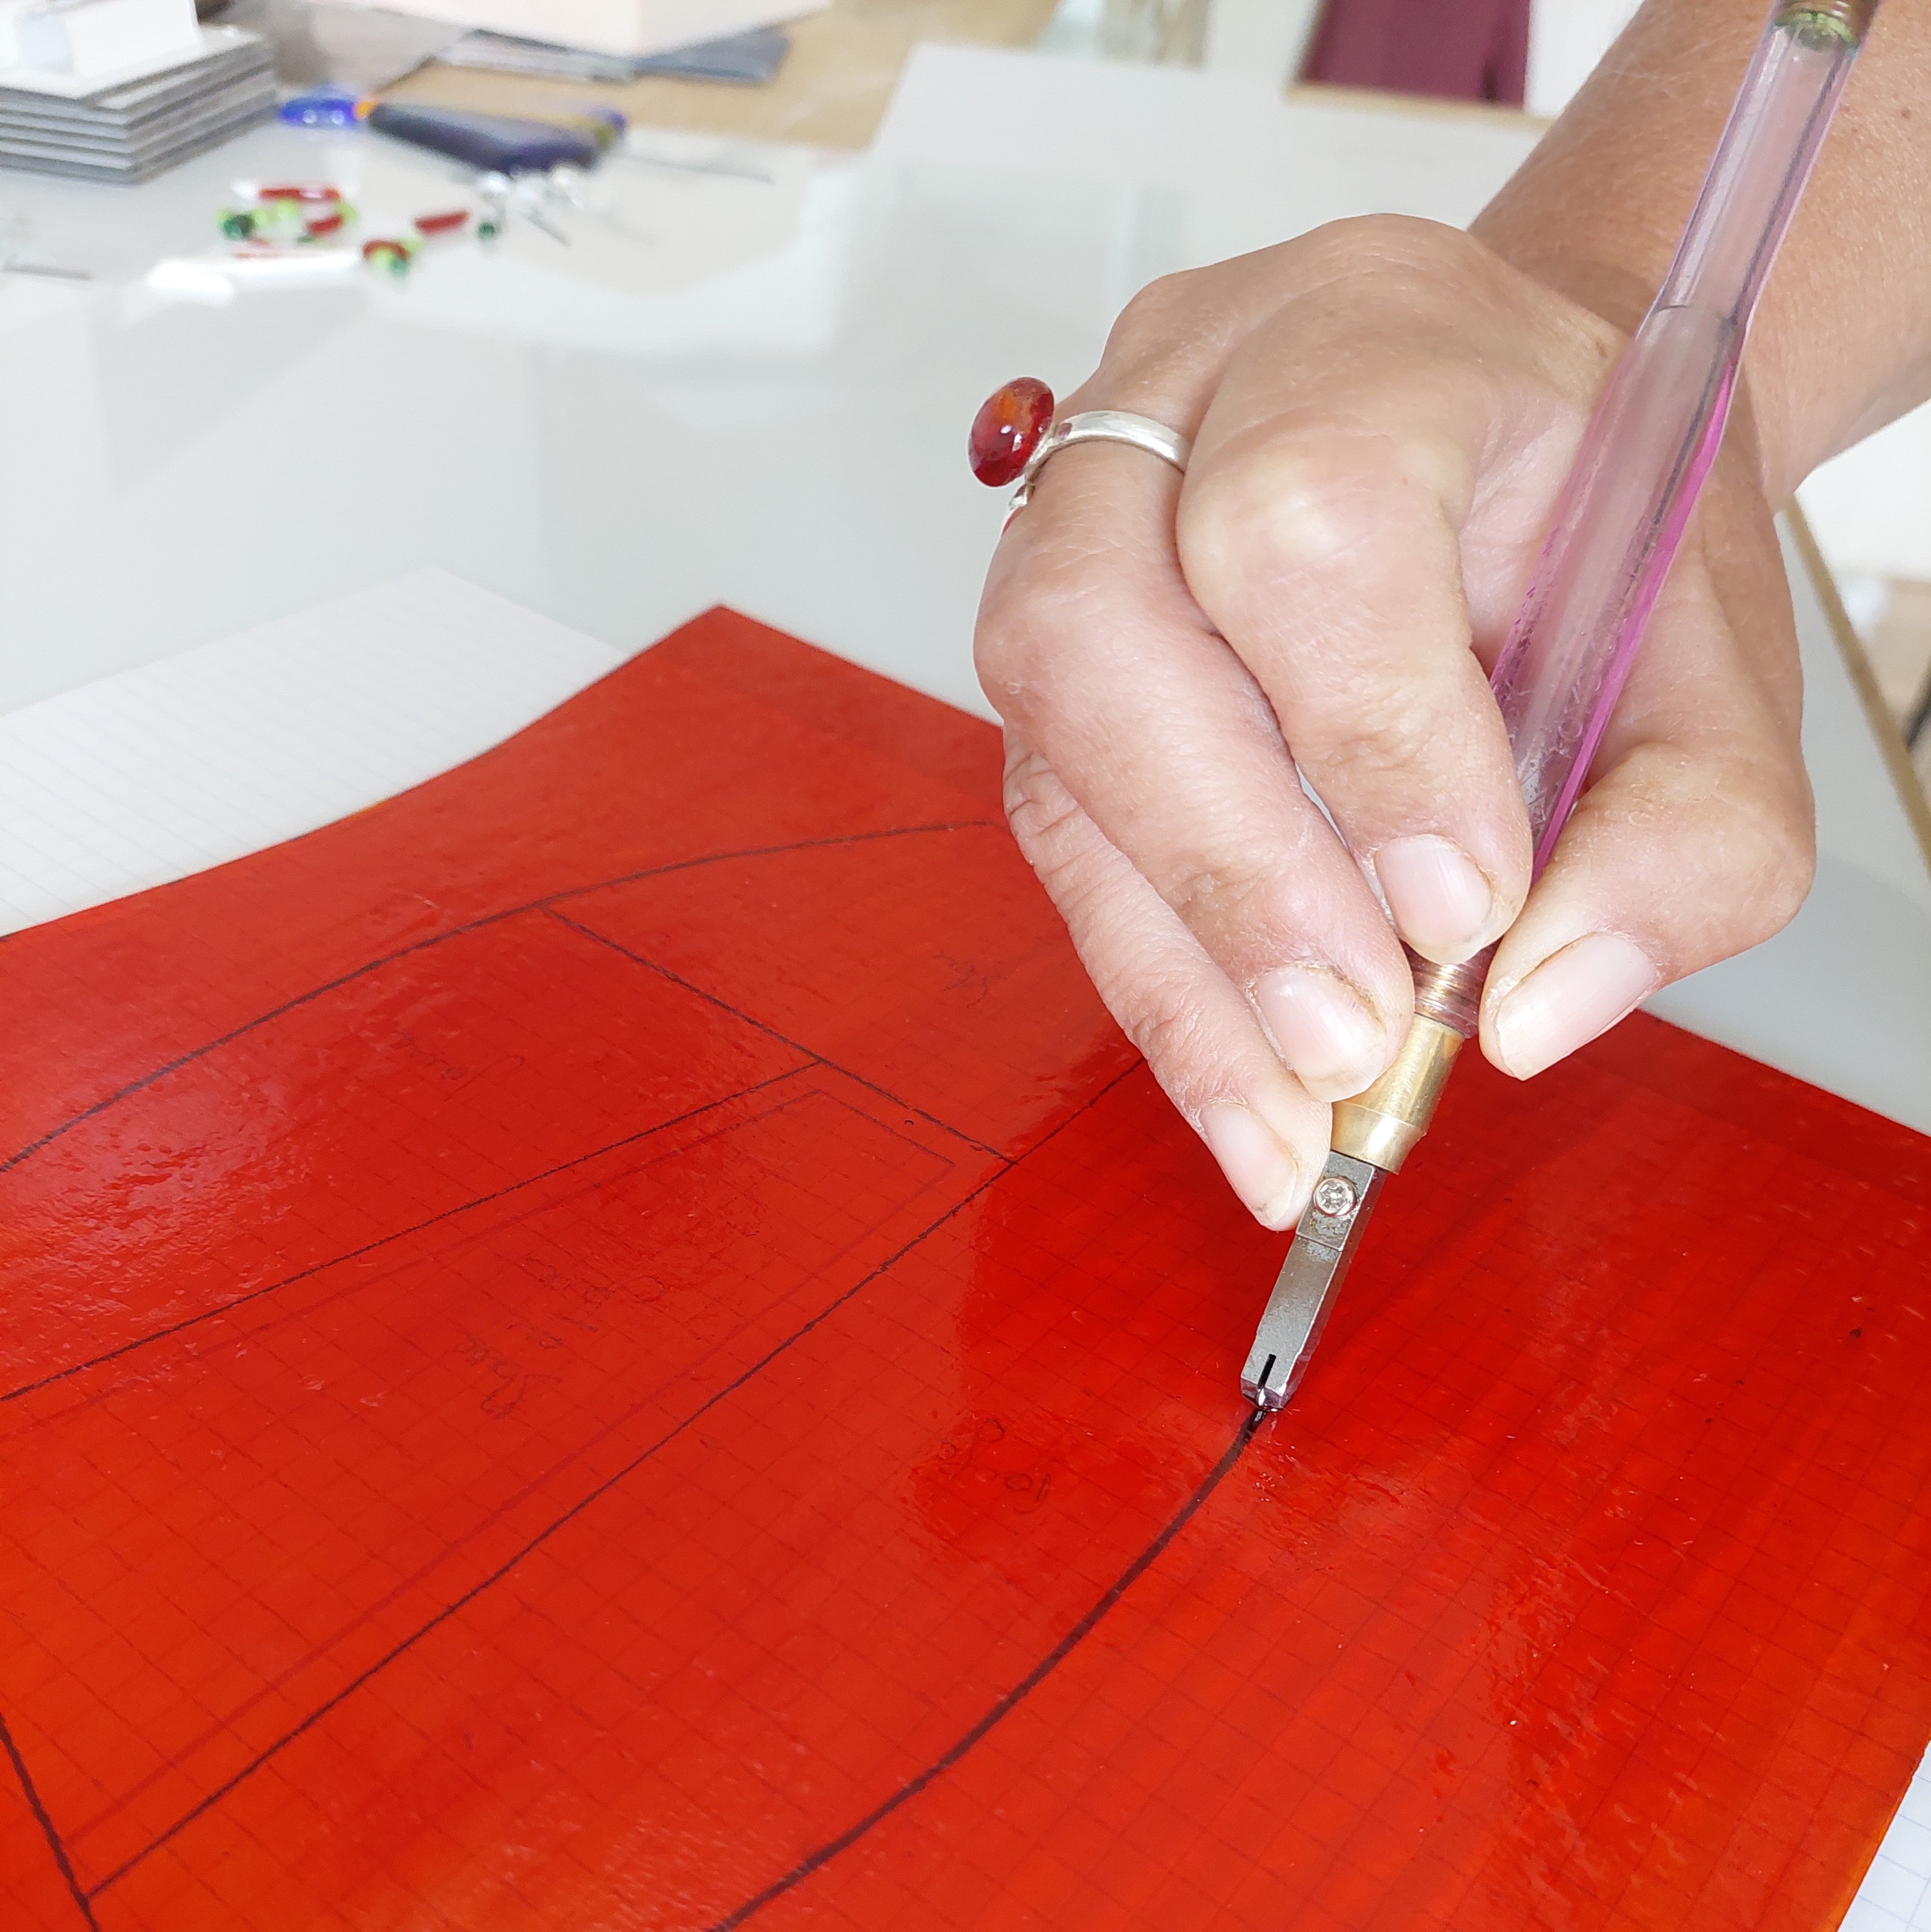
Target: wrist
[1842,344]
[1621,297]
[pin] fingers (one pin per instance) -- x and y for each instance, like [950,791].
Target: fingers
[1200,1036]
[1331,563]
[1322,530]
[1381,419]
[1226,925]
[1094,652]
[1695,841]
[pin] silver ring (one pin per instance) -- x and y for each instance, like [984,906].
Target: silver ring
[1101,426]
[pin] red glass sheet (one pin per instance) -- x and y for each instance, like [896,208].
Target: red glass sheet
[620,1341]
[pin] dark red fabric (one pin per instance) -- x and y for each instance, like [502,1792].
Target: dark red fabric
[1460,50]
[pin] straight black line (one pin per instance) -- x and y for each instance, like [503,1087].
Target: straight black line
[47,1825]
[823,1856]
[401,1234]
[187,1059]
[770,1032]
[542,1536]
[602,1490]
[588,932]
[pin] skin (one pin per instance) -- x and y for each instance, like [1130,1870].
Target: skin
[1382,413]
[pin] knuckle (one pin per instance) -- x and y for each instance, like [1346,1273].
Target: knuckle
[1378,267]
[1277,507]
[1000,656]
[1332,512]
[1152,316]
[1028,630]
[1729,844]
[1405,245]
[1175,317]
[1042,813]
[1218,898]
[1772,855]
[1172,324]
[1164,1018]
[1377,728]
[1196,312]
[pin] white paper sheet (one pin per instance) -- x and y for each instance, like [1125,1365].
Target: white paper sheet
[176,766]
[1896,1894]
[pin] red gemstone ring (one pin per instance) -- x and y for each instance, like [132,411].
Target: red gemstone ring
[1014,434]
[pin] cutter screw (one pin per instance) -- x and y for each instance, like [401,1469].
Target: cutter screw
[1333,1196]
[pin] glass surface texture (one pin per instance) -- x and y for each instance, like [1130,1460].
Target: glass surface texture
[620,1339]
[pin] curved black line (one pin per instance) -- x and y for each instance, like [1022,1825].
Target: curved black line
[47,1825]
[823,1856]
[235,1301]
[604,1488]
[548,900]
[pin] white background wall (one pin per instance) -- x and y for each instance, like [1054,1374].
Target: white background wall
[1566,38]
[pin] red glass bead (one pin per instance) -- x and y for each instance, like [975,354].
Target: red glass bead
[442,224]
[328,224]
[300,191]
[1007,428]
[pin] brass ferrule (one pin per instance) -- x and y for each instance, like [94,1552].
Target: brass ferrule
[1817,22]
[1382,1125]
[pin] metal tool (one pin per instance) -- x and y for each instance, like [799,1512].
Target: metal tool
[1617,525]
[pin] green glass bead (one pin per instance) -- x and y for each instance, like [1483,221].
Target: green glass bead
[392,255]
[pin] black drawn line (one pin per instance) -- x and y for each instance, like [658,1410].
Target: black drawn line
[47,1825]
[549,899]
[816,1860]
[770,1032]
[603,1488]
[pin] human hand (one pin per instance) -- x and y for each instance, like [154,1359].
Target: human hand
[1382,413]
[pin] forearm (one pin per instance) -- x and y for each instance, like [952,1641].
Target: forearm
[1842,340]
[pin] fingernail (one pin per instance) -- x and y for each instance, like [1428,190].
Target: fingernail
[1257,1168]
[1441,903]
[1328,1036]
[1570,997]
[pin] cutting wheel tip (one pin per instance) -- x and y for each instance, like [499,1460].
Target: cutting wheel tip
[1263,1390]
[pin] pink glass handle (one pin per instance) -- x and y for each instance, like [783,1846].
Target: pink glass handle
[1655,433]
